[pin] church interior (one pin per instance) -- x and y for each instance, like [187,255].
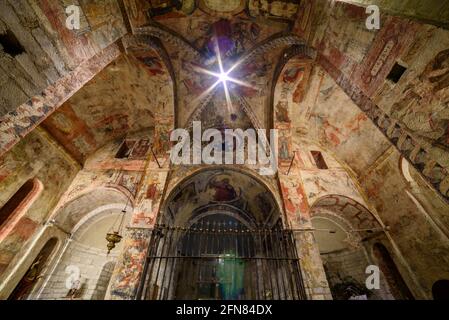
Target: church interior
[92,207]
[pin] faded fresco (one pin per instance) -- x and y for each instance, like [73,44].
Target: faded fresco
[89,113]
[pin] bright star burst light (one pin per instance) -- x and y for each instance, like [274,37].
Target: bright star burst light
[222,77]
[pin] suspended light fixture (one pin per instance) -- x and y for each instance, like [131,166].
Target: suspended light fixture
[114,235]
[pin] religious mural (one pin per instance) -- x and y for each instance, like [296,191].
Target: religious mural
[127,106]
[148,87]
[149,198]
[219,188]
[288,94]
[423,106]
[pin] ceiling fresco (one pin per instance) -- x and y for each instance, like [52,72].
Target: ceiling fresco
[277,11]
[125,97]
[229,40]
[137,91]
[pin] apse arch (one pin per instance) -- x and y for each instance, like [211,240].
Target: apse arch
[216,224]
[213,189]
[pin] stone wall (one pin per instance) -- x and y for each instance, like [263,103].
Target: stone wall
[36,156]
[95,271]
[352,264]
[50,50]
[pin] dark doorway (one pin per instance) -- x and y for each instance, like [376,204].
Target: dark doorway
[440,290]
[398,287]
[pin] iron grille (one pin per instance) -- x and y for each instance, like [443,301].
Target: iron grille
[221,261]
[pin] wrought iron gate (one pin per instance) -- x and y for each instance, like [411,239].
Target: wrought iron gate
[222,261]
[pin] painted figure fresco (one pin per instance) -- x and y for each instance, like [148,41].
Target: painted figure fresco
[140,149]
[423,107]
[132,265]
[224,191]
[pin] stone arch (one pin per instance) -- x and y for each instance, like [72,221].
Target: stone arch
[419,190]
[213,212]
[440,290]
[396,283]
[341,207]
[176,186]
[70,214]
[86,252]
[276,41]
[103,280]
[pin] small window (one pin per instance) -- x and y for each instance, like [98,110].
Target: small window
[396,73]
[319,160]
[10,44]
[125,149]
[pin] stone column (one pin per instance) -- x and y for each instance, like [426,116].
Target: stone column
[128,271]
[298,218]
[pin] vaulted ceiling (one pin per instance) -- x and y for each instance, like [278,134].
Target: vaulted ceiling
[166,68]
[163,78]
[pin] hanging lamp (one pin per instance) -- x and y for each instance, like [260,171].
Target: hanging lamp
[114,236]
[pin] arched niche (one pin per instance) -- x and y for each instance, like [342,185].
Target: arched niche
[89,218]
[35,272]
[223,232]
[237,193]
[341,226]
[103,281]
[15,208]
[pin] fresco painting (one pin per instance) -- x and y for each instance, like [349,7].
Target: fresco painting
[149,199]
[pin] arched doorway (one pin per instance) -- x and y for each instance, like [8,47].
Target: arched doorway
[34,273]
[81,262]
[398,287]
[221,237]
[342,229]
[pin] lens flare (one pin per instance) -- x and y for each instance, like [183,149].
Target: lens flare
[223,77]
